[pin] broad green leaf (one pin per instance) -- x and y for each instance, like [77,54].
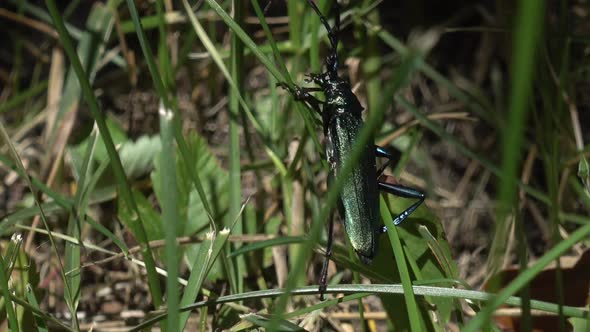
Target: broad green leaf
[137,157]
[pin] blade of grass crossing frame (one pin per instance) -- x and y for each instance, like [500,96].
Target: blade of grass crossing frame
[404,71]
[120,176]
[371,64]
[165,66]
[170,216]
[229,267]
[365,290]
[235,189]
[528,27]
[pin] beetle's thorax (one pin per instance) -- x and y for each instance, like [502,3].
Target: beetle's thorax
[339,96]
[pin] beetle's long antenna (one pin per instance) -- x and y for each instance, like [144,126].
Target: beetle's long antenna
[332,60]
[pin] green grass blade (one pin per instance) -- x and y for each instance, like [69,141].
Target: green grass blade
[197,276]
[170,217]
[12,252]
[12,317]
[235,189]
[400,261]
[364,290]
[529,20]
[39,320]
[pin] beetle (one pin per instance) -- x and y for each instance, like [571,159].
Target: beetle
[341,114]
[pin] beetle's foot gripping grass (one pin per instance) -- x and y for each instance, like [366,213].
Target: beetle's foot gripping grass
[297,92]
[322,289]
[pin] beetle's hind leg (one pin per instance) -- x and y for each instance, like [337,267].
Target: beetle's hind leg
[396,189]
[405,192]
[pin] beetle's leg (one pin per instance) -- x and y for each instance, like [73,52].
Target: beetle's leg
[382,153]
[405,192]
[323,282]
[396,189]
[303,94]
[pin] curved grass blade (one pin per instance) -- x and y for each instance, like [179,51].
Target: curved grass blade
[364,290]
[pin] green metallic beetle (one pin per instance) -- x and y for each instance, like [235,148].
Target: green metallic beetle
[342,122]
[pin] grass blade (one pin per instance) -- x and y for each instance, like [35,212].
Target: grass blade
[170,216]
[400,261]
[235,190]
[4,280]
[39,320]
[529,20]
[365,290]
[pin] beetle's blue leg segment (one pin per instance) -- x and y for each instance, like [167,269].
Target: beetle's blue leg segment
[405,192]
[382,153]
[323,282]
